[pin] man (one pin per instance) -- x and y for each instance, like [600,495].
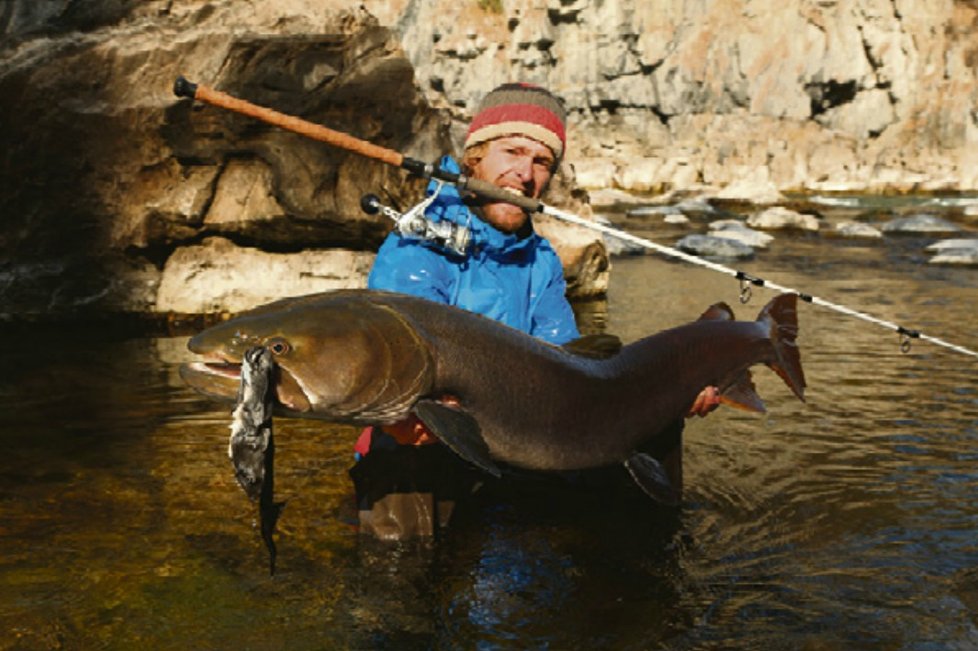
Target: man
[405,485]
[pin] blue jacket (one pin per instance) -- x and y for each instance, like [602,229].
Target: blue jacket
[518,281]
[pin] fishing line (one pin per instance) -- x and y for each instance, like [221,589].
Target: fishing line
[747,280]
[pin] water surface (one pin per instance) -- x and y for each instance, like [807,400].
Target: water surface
[847,522]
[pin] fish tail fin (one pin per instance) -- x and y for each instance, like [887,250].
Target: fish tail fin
[780,316]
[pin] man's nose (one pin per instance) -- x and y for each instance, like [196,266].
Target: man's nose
[524,168]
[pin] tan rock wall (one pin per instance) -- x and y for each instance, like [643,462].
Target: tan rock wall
[885,85]
[106,176]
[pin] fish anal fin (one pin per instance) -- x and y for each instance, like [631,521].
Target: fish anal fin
[600,346]
[651,477]
[742,394]
[459,431]
[718,312]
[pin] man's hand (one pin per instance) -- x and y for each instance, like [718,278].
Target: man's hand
[706,401]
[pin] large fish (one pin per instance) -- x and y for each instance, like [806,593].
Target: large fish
[372,357]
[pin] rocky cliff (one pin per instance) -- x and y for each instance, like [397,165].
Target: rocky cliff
[115,195]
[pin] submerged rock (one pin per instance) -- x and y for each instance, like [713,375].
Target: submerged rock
[857,230]
[963,252]
[732,229]
[920,224]
[709,246]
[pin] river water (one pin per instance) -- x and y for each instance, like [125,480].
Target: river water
[846,522]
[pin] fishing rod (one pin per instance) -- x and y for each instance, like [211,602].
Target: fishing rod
[184,88]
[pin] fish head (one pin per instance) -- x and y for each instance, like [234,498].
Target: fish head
[335,357]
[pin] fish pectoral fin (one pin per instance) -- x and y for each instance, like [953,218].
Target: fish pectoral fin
[601,346]
[742,394]
[651,477]
[459,431]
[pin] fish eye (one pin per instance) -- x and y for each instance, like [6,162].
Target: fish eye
[278,346]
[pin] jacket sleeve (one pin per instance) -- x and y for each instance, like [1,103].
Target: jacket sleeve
[409,267]
[553,319]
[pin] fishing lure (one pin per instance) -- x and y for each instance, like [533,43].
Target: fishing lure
[251,447]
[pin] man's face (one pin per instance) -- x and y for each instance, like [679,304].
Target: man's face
[522,164]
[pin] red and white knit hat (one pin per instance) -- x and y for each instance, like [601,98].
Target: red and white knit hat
[520,109]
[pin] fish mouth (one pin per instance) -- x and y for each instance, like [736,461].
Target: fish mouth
[219,365]
[214,376]
[219,377]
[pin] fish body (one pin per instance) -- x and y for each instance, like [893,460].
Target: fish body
[370,357]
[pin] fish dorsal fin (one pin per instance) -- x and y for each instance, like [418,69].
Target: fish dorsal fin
[459,431]
[718,312]
[742,394]
[651,478]
[595,346]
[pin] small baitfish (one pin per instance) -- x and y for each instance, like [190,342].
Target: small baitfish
[252,445]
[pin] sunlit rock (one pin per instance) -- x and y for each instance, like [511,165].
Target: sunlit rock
[756,189]
[781,218]
[217,276]
[856,230]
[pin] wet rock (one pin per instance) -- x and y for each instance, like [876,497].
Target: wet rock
[780,218]
[956,257]
[617,246]
[962,252]
[732,229]
[654,211]
[921,224]
[696,206]
[669,214]
[709,246]
[857,230]
[676,219]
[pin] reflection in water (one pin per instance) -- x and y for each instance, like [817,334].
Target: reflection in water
[847,522]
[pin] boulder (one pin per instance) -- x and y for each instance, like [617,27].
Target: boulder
[732,229]
[218,276]
[781,218]
[955,252]
[920,224]
[856,230]
[709,246]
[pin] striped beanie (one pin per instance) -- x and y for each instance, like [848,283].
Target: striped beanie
[520,109]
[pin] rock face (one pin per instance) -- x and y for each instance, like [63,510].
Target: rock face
[861,95]
[108,178]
